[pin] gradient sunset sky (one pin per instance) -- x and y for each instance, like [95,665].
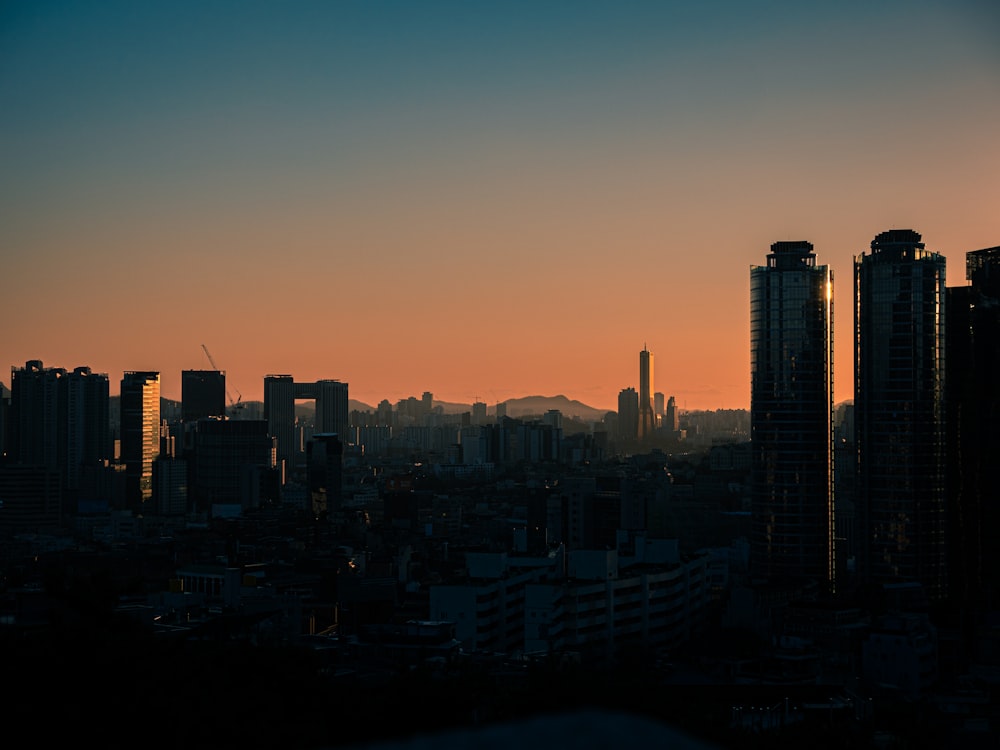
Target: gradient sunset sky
[484,200]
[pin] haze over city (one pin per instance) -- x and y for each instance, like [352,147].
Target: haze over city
[481,200]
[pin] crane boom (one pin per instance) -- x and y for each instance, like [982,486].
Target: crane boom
[234,404]
[212,361]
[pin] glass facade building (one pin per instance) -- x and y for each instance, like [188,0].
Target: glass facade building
[140,434]
[791,417]
[899,409]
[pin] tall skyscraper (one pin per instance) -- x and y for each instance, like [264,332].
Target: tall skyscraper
[647,414]
[791,413]
[140,434]
[203,394]
[899,411]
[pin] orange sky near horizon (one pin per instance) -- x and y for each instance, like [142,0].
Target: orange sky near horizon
[485,203]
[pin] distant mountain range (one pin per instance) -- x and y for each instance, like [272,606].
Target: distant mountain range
[526,406]
[516,407]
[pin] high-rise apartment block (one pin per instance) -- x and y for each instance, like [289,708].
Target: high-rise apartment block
[899,411]
[59,420]
[140,434]
[791,412]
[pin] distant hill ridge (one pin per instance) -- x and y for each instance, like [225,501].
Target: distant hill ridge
[526,406]
[516,407]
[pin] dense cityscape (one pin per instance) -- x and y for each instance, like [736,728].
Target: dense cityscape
[314,571]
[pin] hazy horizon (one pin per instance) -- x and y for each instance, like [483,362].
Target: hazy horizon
[483,200]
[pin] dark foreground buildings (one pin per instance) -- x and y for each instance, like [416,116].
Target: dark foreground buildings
[973,403]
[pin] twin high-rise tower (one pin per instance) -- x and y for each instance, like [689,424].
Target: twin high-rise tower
[899,412]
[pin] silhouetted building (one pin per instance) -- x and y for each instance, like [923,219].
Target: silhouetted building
[973,388]
[628,414]
[791,413]
[4,421]
[279,413]
[845,472]
[232,459]
[170,486]
[647,414]
[203,394]
[59,420]
[671,417]
[324,469]
[478,413]
[899,410]
[29,500]
[140,434]
[332,414]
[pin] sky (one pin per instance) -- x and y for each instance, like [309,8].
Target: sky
[484,200]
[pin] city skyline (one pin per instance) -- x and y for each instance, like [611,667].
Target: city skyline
[484,202]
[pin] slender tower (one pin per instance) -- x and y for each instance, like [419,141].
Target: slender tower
[140,434]
[791,417]
[647,416]
[899,406]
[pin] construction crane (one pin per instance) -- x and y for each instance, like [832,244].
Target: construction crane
[234,405]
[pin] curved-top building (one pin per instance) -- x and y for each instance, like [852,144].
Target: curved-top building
[899,408]
[791,417]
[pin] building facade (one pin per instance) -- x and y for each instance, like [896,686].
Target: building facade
[791,416]
[140,434]
[231,458]
[899,412]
